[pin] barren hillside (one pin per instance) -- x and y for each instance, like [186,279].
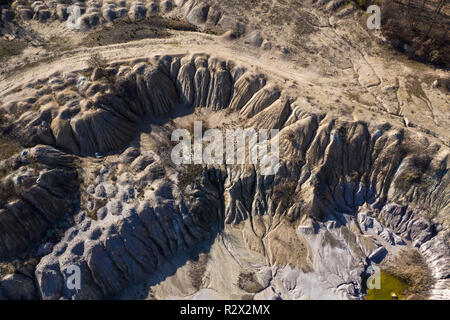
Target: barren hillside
[87,117]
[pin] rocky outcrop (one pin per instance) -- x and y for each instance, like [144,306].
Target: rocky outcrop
[130,238]
[96,13]
[437,255]
[39,188]
[85,121]
[248,196]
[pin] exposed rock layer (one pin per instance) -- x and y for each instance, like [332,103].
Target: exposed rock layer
[329,170]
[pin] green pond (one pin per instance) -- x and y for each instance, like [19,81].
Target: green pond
[389,285]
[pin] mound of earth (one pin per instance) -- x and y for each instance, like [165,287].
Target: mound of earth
[87,179]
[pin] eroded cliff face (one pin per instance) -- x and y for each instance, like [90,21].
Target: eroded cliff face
[39,188]
[346,194]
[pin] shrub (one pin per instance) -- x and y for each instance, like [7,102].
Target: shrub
[414,173]
[6,268]
[191,175]
[8,146]
[362,3]
[9,48]
[247,281]
[7,192]
[424,33]
[284,194]
[197,270]
[96,61]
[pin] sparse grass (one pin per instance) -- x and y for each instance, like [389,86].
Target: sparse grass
[414,173]
[175,44]
[357,97]
[410,267]
[29,65]
[305,25]
[7,192]
[58,44]
[99,203]
[8,146]
[247,281]
[361,3]
[414,87]
[9,48]
[287,248]
[279,13]
[284,194]
[329,239]
[197,270]
[191,175]
[425,34]
[173,23]
[214,31]
[6,268]
[125,30]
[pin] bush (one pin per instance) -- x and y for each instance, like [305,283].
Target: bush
[7,192]
[362,3]
[417,32]
[197,270]
[284,194]
[9,48]
[96,61]
[192,175]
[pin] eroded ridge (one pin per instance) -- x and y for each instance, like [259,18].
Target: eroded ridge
[319,215]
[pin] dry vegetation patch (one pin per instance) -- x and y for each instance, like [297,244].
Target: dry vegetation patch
[197,270]
[9,48]
[8,147]
[410,267]
[125,31]
[284,194]
[247,281]
[423,29]
[414,173]
[192,174]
